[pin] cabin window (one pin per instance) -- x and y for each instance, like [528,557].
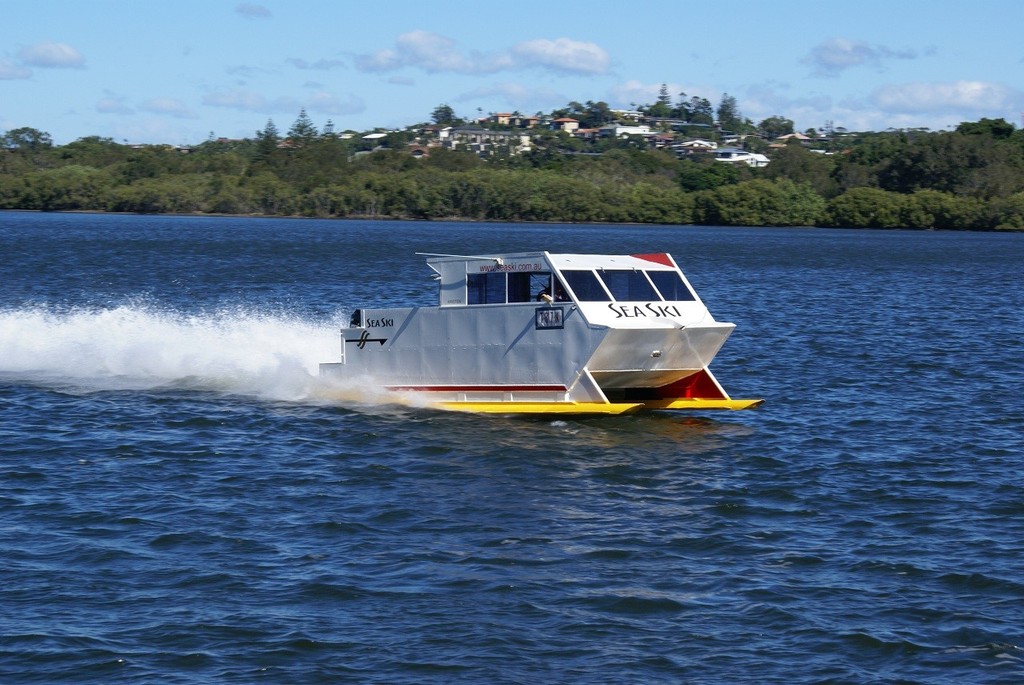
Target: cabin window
[629,286]
[671,286]
[527,286]
[585,286]
[485,288]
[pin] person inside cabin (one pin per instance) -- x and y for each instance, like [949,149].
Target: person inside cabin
[545,294]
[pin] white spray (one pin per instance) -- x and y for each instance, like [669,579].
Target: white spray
[137,347]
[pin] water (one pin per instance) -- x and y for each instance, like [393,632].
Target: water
[182,500]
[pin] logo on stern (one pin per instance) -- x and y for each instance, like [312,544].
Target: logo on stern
[365,338]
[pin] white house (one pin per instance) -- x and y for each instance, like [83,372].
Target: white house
[696,145]
[485,142]
[621,130]
[732,155]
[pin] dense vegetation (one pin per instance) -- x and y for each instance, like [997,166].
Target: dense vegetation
[968,179]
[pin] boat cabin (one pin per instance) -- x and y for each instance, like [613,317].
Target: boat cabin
[544,277]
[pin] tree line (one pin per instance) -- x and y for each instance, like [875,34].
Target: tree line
[971,178]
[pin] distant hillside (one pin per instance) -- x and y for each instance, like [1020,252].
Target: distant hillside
[968,179]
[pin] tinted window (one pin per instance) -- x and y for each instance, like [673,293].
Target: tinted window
[528,285]
[586,286]
[629,286]
[671,286]
[488,288]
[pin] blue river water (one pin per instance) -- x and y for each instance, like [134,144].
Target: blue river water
[183,500]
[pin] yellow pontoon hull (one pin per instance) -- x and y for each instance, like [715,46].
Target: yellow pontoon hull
[595,408]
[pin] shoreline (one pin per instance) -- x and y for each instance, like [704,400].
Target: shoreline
[498,221]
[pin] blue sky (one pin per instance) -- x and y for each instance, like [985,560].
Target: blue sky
[148,71]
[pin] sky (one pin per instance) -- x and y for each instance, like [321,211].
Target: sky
[177,72]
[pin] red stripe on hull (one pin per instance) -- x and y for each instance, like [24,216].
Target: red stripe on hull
[480,388]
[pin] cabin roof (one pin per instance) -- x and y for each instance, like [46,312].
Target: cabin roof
[649,261]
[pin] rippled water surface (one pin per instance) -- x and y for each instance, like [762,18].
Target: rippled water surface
[182,500]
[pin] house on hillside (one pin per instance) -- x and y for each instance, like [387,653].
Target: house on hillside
[804,140]
[662,140]
[623,131]
[587,133]
[732,155]
[485,142]
[696,146]
[514,120]
[566,124]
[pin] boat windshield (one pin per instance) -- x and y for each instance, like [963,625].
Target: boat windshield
[628,285]
[586,286]
[671,286]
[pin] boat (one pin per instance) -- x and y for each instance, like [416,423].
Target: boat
[542,333]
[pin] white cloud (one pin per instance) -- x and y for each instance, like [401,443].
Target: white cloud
[52,55]
[113,104]
[433,53]
[382,60]
[913,105]
[12,70]
[428,51]
[974,96]
[319,65]
[516,96]
[249,101]
[326,103]
[251,10]
[836,55]
[563,54]
[169,107]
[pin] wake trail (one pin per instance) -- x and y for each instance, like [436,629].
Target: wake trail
[138,347]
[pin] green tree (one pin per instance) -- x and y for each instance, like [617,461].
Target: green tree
[650,203]
[183,193]
[270,195]
[267,140]
[760,202]
[999,129]
[708,174]
[67,188]
[443,115]
[303,132]
[775,126]
[12,191]
[94,151]
[26,139]
[866,208]
[700,111]
[452,160]
[662,107]
[1004,214]
[594,114]
[933,209]
[803,166]
[728,113]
